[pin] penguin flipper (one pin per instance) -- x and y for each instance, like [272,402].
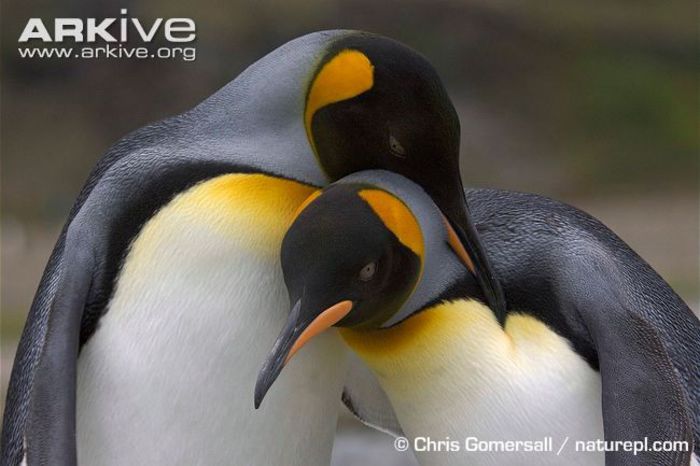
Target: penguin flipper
[366,399]
[642,392]
[40,414]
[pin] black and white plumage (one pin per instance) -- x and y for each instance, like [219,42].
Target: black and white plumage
[595,344]
[163,290]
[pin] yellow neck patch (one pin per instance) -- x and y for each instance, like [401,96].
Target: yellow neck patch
[397,218]
[249,211]
[348,74]
[457,246]
[461,329]
[306,203]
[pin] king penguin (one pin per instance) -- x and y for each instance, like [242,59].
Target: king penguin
[595,345]
[164,290]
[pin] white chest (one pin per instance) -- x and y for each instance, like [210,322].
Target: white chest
[168,377]
[453,374]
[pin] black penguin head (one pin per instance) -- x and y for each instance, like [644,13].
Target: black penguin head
[355,244]
[374,103]
[351,258]
[368,252]
[377,104]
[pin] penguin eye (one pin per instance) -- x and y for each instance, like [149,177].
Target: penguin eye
[368,271]
[396,148]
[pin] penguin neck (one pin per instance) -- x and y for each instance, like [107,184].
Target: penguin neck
[453,371]
[169,374]
[256,119]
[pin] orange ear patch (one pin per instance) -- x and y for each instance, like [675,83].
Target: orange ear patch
[396,217]
[348,74]
[457,246]
[306,203]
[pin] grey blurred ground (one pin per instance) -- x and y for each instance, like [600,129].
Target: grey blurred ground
[592,103]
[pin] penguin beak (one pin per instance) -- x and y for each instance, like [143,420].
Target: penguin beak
[459,218]
[300,328]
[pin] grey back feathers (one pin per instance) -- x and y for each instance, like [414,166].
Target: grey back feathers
[258,119]
[584,282]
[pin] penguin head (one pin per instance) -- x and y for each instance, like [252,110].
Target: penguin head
[365,253]
[356,244]
[374,103]
[333,103]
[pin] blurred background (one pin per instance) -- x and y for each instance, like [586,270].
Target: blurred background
[593,103]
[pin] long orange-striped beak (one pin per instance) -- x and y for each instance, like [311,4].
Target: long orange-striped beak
[298,331]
